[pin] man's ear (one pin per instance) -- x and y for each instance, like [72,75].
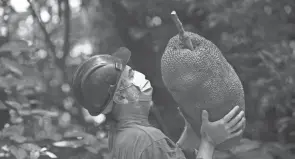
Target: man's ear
[119,98]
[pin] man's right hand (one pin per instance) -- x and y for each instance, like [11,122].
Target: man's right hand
[223,129]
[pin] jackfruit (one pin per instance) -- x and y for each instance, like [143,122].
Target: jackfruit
[199,77]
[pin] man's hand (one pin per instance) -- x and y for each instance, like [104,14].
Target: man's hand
[223,129]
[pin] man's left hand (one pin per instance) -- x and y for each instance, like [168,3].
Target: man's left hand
[229,126]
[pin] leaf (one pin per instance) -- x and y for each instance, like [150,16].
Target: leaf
[18,138]
[34,154]
[92,149]
[14,104]
[16,46]
[2,106]
[245,146]
[13,130]
[8,82]
[74,133]
[72,144]
[96,147]
[50,154]
[31,147]
[64,119]
[88,139]
[12,66]
[43,149]
[19,153]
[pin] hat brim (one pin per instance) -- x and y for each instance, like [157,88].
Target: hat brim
[123,54]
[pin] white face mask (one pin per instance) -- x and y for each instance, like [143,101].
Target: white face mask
[140,81]
[143,85]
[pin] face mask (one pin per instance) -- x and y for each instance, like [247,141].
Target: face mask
[143,85]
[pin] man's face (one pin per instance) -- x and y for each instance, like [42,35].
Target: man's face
[128,73]
[131,79]
[135,78]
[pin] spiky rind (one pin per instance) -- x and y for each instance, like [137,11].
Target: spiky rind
[201,79]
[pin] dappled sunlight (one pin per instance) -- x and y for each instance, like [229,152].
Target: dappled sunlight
[75,5]
[30,20]
[19,5]
[23,31]
[3,31]
[42,54]
[1,11]
[44,15]
[81,48]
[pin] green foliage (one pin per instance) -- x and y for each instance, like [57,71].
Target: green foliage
[257,40]
[33,122]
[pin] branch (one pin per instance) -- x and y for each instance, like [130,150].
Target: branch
[67,18]
[26,112]
[38,112]
[178,23]
[43,29]
[184,39]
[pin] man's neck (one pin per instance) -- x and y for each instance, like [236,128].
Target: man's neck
[132,119]
[132,114]
[126,116]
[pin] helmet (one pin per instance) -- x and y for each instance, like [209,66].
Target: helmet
[96,80]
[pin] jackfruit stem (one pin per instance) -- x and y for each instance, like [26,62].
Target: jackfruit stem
[183,38]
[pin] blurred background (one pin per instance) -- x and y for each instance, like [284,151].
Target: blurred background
[42,43]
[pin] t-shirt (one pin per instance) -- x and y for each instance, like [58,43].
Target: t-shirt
[137,141]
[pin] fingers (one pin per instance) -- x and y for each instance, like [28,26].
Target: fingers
[205,116]
[231,114]
[236,134]
[236,119]
[238,126]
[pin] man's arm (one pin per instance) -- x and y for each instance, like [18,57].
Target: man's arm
[189,142]
[206,150]
[227,127]
[188,138]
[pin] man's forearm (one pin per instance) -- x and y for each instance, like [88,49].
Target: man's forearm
[188,139]
[206,150]
[183,137]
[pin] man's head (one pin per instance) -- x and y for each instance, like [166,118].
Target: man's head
[105,80]
[133,96]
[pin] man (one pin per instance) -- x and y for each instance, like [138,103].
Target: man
[105,84]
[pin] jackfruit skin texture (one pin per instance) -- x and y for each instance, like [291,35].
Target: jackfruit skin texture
[201,79]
